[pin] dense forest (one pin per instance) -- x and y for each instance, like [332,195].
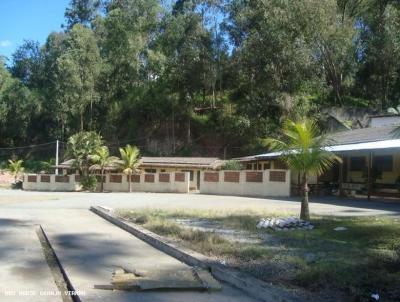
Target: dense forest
[192,77]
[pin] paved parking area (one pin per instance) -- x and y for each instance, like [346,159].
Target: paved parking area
[11,199]
[90,247]
[24,273]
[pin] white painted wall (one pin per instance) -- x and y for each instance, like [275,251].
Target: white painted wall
[157,187]
[259,189]
[50,186]
[193,183]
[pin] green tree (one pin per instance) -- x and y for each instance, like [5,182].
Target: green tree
[17,107]
[16,168]
[133,94]
[272,60]
[380,53]
[78,68]
[331,33]
[27,64]
[190,60]
[81,12]
[303,149]
[56,109]
[102,160]
[81,147]
[129,162]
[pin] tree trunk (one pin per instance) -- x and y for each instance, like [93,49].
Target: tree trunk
[129,181]
[81,121]
[173,130]
[188,131]
[91,115]
[305,212]
[102,180]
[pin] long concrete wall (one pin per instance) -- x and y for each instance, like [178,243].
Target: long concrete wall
[246,183]
[50,182]
[176,182]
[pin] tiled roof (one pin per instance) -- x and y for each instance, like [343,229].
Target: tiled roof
[200,162]
[364,135]
[181,162]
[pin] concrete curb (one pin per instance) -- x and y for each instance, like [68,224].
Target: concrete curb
[60,277]
[252,286]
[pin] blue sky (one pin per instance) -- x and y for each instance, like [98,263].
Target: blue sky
[28,20]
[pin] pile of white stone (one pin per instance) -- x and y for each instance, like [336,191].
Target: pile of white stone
[284,224]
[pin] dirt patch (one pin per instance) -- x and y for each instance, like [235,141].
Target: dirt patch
[206,225]
[354,263]
[6,178]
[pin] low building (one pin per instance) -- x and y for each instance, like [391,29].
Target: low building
[371,163]
[193,165]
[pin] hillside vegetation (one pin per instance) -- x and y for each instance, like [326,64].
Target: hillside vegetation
[191,77]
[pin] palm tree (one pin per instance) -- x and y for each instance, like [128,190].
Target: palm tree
[80,147]
[303,150]
[129,161]
[16,168]
[101,160]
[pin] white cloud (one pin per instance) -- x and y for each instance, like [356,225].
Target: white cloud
[5,43]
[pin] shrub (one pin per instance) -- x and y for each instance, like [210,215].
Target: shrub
[89,182]
[17,185]
[232,165]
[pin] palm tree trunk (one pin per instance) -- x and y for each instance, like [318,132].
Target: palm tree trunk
[305,211]
[130,185]
[102,180]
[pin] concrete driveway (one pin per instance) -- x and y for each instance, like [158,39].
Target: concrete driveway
[23,200]
[89,248]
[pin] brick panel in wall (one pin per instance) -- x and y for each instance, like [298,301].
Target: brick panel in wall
[62,178]
[211,176]
[180,177]
[134,178]
[278,176]
[44,178]
[78,178]
[163,177]
[231,176]
[32,178]
[116,178]
[254,177]
[149,178]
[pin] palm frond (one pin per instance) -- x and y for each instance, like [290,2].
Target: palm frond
[396,132]
[302,147]
[130,159]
